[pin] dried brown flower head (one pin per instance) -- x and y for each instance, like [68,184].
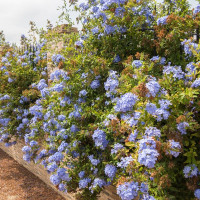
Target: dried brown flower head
[140,90]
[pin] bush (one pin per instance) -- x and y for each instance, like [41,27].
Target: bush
[124,108]
[17,73]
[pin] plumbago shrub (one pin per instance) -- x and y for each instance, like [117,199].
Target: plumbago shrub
[124,108]
[132,129]
[122,28]
[17,73]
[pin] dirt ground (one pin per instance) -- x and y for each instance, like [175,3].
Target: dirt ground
[17,183]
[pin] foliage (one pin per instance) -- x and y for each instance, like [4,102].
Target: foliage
[121,108]
[17,74]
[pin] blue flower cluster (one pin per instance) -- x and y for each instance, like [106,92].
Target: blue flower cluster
[111,84]
[196,83]
[52,167]
[79,44]
[97,182]
[116,148]
[95,84]
[197,193]
[55,179]
[152,132]
[162,20]
[128,190]
[63,146]
[84,6]
[189,45]
[153,87]
[57,157]
[61,175]
[83,183]
[56,58]
[95,30]
[110,171]
[125,161]
[94,161]
[126,102]
[175,70]
[196,10]
[174,148]
[147,197]
[181,127]
[58,74]
[82,93]
[26,149]
[36,111]
[42,84]
[157,58]
[147,154]
[131,119]
[160,113]
[81,174]
[109,29]
[191,70]
[137,63]
[99,138]
[190,171]
[117,59]
[133,136]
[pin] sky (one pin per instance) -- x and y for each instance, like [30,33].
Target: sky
[15,15]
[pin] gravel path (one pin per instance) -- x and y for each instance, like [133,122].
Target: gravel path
[17,183]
